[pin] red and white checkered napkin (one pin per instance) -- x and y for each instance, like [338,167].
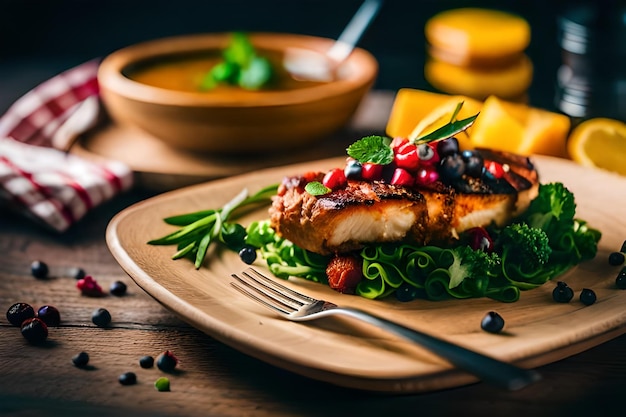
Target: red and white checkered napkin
[48,184]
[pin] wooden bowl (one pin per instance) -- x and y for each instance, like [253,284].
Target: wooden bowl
[233,120]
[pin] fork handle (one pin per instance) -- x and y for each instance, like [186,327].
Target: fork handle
[485,367]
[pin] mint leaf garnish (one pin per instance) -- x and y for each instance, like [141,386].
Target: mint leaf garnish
[374,149]
[316,188]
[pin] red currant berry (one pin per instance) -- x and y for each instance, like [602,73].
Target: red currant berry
[495,169]
[407,157]
[479,239]
[427,176]
[372,172]
[402,177]
[335,179]
[89,286]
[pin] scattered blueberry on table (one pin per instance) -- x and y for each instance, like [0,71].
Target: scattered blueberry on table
[39,269]
[128,378]
[587,296]
[166,361]
[562,293]
[118,288]
[492,322]
[34,330]
[18,312]
[146,362]
[81,359]
[50,315]
[101,317]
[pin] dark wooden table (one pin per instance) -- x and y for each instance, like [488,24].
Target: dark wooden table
[214,379]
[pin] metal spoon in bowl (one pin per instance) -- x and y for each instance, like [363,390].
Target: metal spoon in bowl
[313,66]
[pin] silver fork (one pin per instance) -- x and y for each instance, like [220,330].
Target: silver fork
[299,307]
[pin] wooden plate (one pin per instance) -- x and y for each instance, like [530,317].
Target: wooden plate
[342,352]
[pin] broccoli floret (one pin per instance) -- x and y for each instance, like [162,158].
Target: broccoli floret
[552,210]
[474,264]
[525,246]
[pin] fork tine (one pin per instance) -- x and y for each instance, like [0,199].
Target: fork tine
[279,288]
[265,291]
[251,291]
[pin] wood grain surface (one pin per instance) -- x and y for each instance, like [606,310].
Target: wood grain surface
[213,379]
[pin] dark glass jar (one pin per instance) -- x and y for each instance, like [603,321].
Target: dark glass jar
[591,81]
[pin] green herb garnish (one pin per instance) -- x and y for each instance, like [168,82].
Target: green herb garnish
[448,130]
[316,188]
[241,66]
[200,229]
[374,149]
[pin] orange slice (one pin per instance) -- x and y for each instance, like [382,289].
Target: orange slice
[600,143]
[520,129]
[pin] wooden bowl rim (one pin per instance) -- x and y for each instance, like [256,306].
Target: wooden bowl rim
[111,77]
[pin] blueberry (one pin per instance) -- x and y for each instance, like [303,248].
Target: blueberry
[587,296]
[101,317]
[353,170]
[118,288]
[146,362]
[50,315]
[406,292]
[492,322]
[81,359]
[166,361]
[128,378]
[452,167]
[620,281]
[447,146]
[248,254]
[18,312]
[562,293]
[39,269]
[34,330]
[616,258]
[474,163]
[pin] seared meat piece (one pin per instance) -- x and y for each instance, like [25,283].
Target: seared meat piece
[376,212]
[344,220]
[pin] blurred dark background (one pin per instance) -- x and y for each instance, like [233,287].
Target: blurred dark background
[40,38]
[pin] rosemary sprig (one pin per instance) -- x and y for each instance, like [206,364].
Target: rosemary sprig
[198,230]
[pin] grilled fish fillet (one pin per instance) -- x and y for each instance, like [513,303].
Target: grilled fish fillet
[376,212]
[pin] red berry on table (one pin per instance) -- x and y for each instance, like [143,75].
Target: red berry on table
[18,312]
[428,154]
[89,287]
[34,330]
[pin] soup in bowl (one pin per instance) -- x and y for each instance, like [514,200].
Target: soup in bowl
[166,88]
